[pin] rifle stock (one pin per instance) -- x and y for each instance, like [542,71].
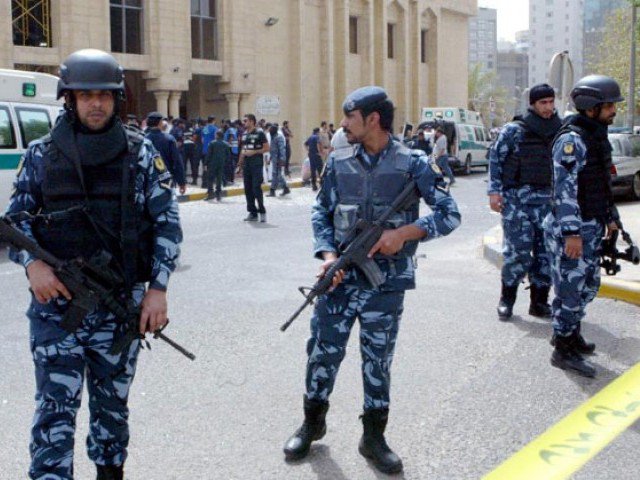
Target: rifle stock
[91,284]
[365,236]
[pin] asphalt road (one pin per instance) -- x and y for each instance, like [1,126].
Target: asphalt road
[468,390]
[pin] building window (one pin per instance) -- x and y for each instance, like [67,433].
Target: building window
[353,34]
[423,46]
[204,29]
[390,44]
[126,26]
[31,22]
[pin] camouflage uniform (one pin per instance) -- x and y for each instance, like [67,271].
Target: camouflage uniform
[379,310]
[61,358]
[523,212]
[576,281]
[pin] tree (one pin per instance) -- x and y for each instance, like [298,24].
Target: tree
[612,55]
[485,93]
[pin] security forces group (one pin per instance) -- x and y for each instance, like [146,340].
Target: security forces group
[551,183]
[94,186]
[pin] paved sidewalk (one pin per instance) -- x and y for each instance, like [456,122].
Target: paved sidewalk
[194,193]
[624,286]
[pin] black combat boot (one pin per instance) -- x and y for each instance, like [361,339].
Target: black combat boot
[272,193]
[507,299]
[581,345]
[285,191]
[373,445]
[313,428]
[110,472]
[539,306]
[566,356]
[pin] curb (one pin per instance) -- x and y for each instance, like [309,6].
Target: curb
[615,288]
[201,193]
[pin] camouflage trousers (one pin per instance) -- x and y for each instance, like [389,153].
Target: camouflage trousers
[62,360]
[524,249]
[575,281]
[379,314]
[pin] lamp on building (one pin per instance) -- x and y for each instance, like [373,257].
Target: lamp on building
[271,21]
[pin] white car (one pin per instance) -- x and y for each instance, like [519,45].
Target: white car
[625,172]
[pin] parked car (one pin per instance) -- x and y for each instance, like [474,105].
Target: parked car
[625,171]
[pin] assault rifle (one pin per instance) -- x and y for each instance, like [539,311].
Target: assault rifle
[92,283]
[353,252]
[611,254]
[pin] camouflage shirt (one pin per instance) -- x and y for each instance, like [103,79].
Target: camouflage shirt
[443,219]
[569,158]
[153,194]
[507,144]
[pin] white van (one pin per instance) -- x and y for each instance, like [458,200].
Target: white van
[467,139]
[28,110]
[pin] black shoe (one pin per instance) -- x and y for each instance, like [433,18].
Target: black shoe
[373,444]
[539,306]
[285,191]
[507,299]
[252,217]
[110,472]
[566,356]
[580,345]
[313,428]
[314,188]
[272,193]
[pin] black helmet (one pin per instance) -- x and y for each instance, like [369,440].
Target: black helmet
[90,69]
[593,90]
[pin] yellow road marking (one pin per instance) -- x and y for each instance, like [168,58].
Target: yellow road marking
[565,447]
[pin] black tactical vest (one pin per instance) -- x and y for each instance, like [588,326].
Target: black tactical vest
[366,193]
[75,222]
[595,195]
[532,164]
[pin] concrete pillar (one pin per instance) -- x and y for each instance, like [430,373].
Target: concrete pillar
[6,35]
[233,99]
[174,103]
[162,101]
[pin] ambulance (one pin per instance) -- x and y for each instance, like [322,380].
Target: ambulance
[467,138]
[28,110]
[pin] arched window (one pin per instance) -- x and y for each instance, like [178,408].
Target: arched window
[126,26]
[31,22]
[204,29]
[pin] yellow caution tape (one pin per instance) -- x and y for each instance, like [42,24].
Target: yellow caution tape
[565,447]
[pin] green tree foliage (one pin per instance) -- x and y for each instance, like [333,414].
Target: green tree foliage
[484,90]
[612,57]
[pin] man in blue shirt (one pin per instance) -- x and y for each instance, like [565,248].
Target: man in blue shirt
[168,149]
[315,158]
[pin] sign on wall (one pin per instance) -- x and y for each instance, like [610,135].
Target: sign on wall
[268,105]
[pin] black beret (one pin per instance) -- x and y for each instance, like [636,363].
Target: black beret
[363,97]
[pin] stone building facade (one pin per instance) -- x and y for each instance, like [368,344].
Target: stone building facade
[280,59]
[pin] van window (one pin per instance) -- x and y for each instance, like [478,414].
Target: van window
[7,138]
[34,123]
[616,147]
[479,135]
[634,140]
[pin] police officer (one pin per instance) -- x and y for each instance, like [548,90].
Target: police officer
[89,160]
[583,211]
[167,146]
[361,183]
[520,190]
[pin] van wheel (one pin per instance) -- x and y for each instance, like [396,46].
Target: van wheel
[467,165]
[634,191]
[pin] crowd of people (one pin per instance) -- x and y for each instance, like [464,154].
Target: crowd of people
[209,151]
